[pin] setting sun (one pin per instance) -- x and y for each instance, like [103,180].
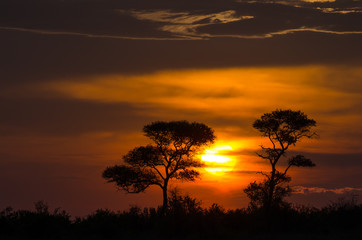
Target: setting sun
[216,162]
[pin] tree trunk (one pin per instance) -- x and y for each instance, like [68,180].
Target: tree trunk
[165,198]
[165,201]
[269,204]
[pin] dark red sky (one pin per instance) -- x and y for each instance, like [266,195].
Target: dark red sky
[80,78]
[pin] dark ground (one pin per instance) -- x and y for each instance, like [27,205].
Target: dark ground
[186,219]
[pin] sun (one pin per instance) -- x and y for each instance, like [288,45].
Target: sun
[211,158]
[216,163]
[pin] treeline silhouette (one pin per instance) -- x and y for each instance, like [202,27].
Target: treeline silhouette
[186,219]
[173,156]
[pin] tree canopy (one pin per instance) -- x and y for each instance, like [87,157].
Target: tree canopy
[171,156]
[283,128]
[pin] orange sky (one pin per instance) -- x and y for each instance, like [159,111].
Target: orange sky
[228,100]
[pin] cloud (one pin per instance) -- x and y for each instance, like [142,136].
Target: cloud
[341,11]
[188,18]
[288,31]
[289,2]
[310,190]
[186,23]
[318,1]
[222,89]
[88,35]
[230,100]
[66,117]
[243,172]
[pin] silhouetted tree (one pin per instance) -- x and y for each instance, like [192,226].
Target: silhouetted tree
[183,204]
[283,128]
[173,156]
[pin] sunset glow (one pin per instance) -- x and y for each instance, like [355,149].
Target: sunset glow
[216,162]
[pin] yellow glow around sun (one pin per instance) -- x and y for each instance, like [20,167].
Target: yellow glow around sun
[215,158]
[217,170]
[217,163]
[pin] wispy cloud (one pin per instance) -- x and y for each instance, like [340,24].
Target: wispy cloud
[88,35]
[318,1]
[188,18]
[340,11]
[288,31]
[287,2]
[326,6]
[183,32]
[185,23]
[309,190]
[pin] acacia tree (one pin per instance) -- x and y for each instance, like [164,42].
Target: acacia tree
[283,128]
[172,156]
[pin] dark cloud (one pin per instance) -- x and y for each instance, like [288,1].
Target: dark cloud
[77,17]
[332,160]
[28,57]
[327,198]
[310,190]
[242,172]
[63,117]
[328,160]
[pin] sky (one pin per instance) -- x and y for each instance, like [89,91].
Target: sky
[80,78]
